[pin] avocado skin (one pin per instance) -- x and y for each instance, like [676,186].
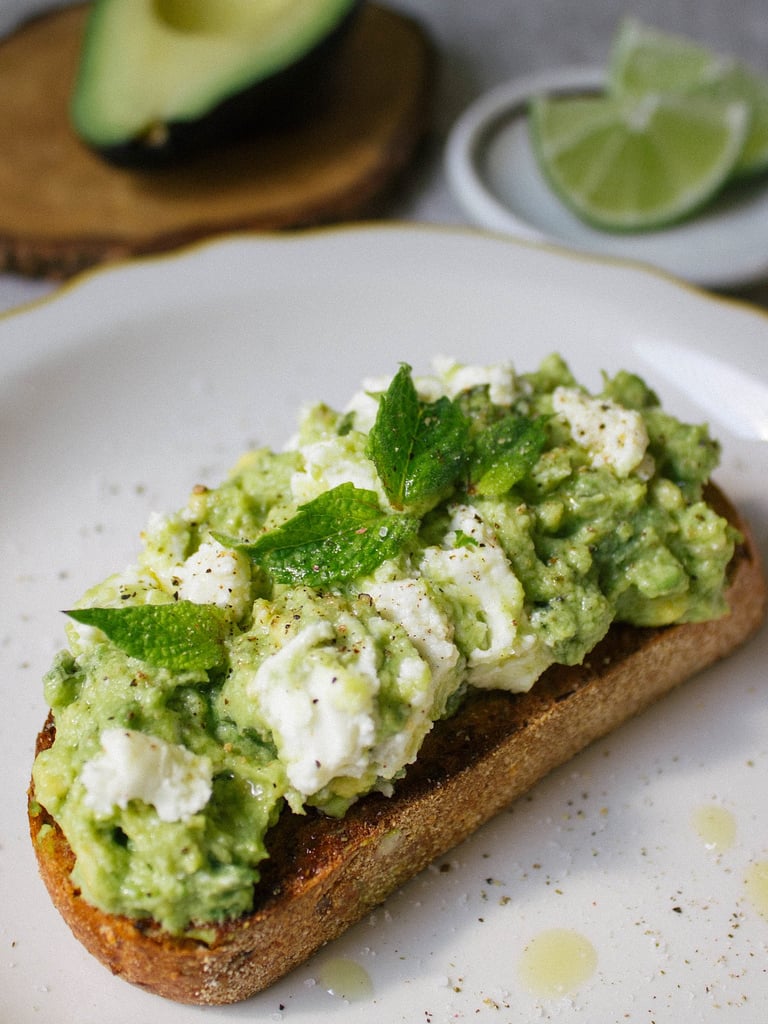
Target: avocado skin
[274,104]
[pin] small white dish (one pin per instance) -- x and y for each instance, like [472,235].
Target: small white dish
[493,174]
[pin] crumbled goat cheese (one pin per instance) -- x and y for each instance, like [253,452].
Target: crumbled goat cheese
[407,602]
[457,377]
[365,402]
[478,579]
[615,436]
[215,575]
[330,462]
[135,766]
[321,711]
[173,544]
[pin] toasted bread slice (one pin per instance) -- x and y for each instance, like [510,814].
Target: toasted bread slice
[324,874]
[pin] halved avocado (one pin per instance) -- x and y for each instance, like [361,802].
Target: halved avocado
[161,79]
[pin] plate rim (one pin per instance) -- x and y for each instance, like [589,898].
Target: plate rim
[537,244]
[125,276]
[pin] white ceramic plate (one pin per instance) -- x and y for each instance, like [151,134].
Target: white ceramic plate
[135,383]
[494,176]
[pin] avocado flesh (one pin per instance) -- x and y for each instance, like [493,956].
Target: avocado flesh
[159,79]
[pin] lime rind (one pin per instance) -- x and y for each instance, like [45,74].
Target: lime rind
[742,84]
[637,163]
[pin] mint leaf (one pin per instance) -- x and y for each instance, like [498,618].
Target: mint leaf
[419,448]
[339,535]
[504,453]
[463,540]
[182,637]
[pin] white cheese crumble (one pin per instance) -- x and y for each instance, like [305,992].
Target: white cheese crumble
[487,598]
[330,462]
[135,766]
[166,537]
[215,575]
[407,602]
[615,437]
[365,402]
[457,377]
[319,708]
[392,753]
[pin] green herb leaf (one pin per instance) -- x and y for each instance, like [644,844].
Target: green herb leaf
[504,453]
[463,540]
[341,534]
[182,637]
[419,448]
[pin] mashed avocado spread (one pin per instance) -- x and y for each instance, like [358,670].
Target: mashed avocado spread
[288,638]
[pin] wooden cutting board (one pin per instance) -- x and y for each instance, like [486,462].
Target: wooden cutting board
[63,209]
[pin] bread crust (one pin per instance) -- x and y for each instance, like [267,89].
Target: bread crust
[325,874]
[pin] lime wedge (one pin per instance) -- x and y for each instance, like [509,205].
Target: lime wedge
[631,163]
[647,60]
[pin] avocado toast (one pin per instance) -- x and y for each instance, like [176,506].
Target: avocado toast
[452,581]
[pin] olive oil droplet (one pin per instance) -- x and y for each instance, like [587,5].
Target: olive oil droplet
[346,979]
[716,826]
[756,884]
[556,962]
